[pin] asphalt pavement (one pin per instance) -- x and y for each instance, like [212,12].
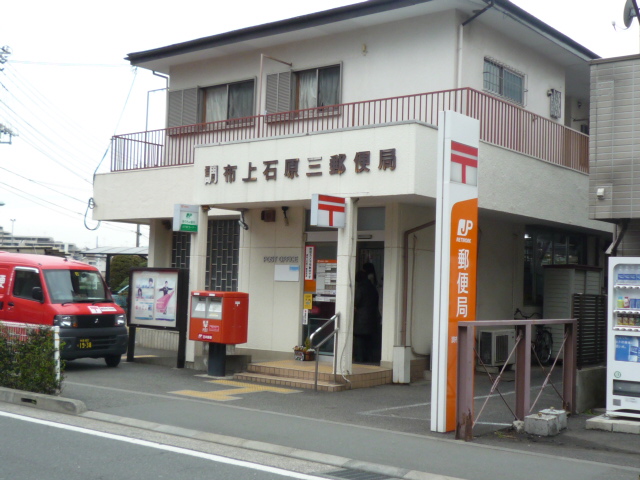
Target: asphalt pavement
[384,429]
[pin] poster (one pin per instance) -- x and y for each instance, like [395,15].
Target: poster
[154,301]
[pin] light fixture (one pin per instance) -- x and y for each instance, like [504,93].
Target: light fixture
[241,221]
[284,212]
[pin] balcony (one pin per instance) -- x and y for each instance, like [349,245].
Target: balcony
[501,123]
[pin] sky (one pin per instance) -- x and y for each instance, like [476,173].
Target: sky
[66,89]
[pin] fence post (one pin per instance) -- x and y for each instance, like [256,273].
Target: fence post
[569,370]
[523,370]
[464,398]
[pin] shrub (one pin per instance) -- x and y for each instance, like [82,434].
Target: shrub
[28,363]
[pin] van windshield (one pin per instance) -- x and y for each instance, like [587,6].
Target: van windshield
[73,286]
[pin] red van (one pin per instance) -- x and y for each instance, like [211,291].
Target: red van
[54,291]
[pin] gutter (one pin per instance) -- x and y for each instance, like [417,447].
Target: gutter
[524,18]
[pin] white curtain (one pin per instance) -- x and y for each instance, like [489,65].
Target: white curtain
[307,89]
[241,100]
[329,86]
[215,104]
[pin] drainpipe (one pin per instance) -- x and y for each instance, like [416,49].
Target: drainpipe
[405,280]
[166,78]
[621,230]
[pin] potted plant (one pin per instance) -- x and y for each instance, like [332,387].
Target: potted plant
[304,352]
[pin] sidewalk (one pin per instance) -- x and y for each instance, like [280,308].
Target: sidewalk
[380,426]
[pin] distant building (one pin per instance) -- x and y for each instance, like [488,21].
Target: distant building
[39,245]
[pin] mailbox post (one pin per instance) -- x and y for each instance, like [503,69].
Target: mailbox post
[219,318]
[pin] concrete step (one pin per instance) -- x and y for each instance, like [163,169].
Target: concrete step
[290,381]
[306,371]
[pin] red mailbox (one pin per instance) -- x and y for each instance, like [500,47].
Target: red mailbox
[219,317]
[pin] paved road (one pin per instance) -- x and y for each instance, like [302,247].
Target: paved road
[37,448]
[386,425]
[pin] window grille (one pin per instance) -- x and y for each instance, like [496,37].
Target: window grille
[503,81]
[223,246]
[181,246]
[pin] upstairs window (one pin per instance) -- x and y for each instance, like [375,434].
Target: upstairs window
[312,88]
[503,81]
[224,102]
[318,87]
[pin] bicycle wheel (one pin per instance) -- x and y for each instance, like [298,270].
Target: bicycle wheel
[544,347]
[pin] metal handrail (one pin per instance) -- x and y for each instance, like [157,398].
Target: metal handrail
[336,320]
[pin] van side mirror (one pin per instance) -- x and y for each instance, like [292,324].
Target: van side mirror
[36,294]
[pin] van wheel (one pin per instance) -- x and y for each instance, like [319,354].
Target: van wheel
[112,360]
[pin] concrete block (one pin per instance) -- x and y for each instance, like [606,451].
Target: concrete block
[518,426]
[626,426]
[590,388]
[401,364]
[561,414]
[542,425]
[51,403]
[599,423]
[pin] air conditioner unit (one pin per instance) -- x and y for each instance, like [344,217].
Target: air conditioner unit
[494,347]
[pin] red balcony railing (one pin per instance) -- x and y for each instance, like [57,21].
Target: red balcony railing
[501,123]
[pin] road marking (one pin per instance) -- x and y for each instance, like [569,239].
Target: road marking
[168,448]
[230,394]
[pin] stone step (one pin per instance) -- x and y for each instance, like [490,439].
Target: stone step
[306,372]
[290,382]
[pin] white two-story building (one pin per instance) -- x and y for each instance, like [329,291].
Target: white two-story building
[345,102]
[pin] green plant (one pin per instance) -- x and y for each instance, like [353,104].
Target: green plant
[306,347]
[28,363]
[120,266]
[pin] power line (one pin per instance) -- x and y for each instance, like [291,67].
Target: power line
[69,64]
[48,206]
[41,184]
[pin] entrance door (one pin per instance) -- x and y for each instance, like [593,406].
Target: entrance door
[323,290]
[370,265]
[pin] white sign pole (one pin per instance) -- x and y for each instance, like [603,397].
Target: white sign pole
[456,256]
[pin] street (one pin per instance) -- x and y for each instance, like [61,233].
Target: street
[384,426]
[32,448]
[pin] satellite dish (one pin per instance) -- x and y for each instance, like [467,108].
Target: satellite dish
[628,13]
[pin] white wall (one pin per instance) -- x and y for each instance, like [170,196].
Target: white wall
[275,307]
[414,173]
[541,72]
[509,182]
[402,58]
[500,268]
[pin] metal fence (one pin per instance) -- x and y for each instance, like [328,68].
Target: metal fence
[16,333]
[501,123]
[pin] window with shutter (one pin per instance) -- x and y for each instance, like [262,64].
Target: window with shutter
[312,88]
[221,102]
[182,107]
[278,92]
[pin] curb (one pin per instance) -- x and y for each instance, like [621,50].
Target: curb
[42,401]
[298,454]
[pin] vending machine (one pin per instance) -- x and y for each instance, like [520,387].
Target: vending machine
[623,365]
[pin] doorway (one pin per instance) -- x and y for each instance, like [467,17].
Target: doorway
[367,338]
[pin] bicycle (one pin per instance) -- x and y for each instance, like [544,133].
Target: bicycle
[542,344]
